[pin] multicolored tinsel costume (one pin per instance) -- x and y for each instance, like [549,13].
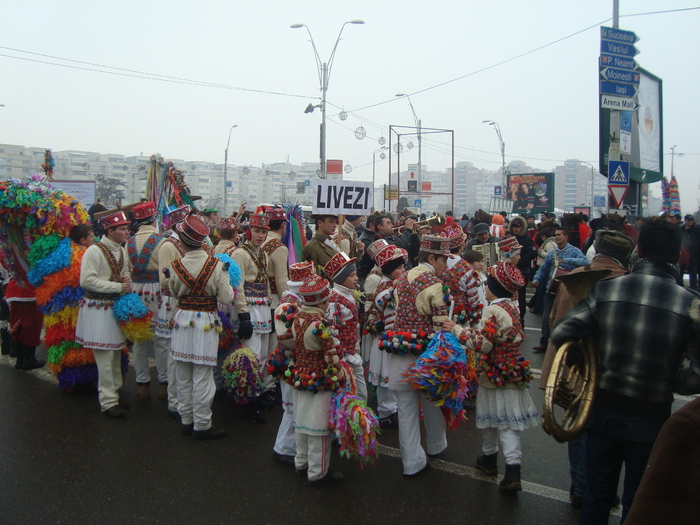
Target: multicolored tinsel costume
[674,196]
[354,424]
[295,235]
[242,376]
[446,374]
[665,199]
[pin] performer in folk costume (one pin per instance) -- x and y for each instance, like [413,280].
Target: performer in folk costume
[278,275]
[392,260]
[370,287]
[229,233]
[314,377]
[476,286]
[146,282]
[344,314]
[197,281]
[322,247]
[349,240]
[252,261]
[104,275]
[422,304]
[458,273]
[504,407]
[290,304]
[168,251]
[25,323]
[509,251]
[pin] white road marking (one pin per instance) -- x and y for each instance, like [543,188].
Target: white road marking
[469,472]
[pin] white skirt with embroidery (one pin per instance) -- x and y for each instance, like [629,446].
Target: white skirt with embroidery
[166,311]
[379,362]
[261,317]
[97,328]
[194,337]
[311,412]
[505,408]
[149,293]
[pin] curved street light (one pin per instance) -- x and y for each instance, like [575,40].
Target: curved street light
[418,127]
[502,145]
[324,72]
[228,142]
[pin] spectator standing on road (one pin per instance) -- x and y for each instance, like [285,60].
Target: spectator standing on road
[504,407]
[643,328]
[528,252]
[564,256]
[691,243]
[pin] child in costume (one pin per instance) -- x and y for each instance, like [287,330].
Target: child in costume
[315,376]
[457,274]
[392,260]
[290,304]
[476,286]
[344,314]
[504,407]
[197,281]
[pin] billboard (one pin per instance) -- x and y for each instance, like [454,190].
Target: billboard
[531,192]
[83,190]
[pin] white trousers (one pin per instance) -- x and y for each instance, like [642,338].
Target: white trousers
[159,348]
[109,373]
[313,452]
[285,443]
[510,444]
[172,381]
[195,393]
[412,453]
[259,344]
[386,402]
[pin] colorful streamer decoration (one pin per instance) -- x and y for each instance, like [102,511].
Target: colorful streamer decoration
[356,426]
[166,185]
[242,376]
[444,374]
[135,318]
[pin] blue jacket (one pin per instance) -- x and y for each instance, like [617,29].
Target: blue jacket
[569,257]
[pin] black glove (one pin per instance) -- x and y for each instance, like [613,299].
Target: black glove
[245,327]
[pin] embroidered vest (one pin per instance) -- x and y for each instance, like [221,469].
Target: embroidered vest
[140,260]
[407,316]
[269,247]
[505,364]
[347,330]
[197,299]
[310,370]
[451,278]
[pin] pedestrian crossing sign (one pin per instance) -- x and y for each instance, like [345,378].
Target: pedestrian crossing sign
[618,173]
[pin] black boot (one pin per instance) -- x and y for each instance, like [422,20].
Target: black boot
[17,352]
[487,463]
[253,412]
[30,361]
[511,481]
[6,341]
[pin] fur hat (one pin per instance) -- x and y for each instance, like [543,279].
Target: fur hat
[613,244]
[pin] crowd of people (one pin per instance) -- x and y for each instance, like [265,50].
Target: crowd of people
[363,304]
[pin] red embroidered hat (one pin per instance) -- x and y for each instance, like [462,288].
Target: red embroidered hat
[334,267]
[259,221]
[376,247]
[178,214]
[276,214]
[435,244]
[144,210]
[315,290]
[507,275]
[455,234]
[301,271]
[228,223]
[390,253]
[192,231]
[113,220]
[510,246]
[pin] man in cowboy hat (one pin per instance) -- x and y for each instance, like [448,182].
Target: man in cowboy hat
[104,275]
[197,281]
[144,276]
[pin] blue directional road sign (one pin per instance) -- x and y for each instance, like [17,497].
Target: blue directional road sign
[618,35]
[618,90]
[417,203]
[618,173]
[620,75]
[617,48]
[598,201]
[618,62]
[497,191]
[307,182]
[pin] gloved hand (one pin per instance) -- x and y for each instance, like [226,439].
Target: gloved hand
[245,327]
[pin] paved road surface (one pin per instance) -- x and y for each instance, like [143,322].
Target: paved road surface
[64,462]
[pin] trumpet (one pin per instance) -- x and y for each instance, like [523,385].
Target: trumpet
[435,220]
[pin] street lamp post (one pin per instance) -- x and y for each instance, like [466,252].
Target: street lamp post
[324,73]
[502,145]
[418,127]
[373,172]
[228,142]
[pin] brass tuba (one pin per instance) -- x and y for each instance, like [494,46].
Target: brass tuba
[573,377]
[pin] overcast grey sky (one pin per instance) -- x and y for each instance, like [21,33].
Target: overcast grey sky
[546,102]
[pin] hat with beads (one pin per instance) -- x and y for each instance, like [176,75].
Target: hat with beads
[455,234]
[315,290]
[113,220]
[192,231]
[301,271]
[228,223]
[259,221]
[176,215]
[144,210]
[507,276]
[339,267]
[376,247]
[509,247]
[435,244]
[276,214]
